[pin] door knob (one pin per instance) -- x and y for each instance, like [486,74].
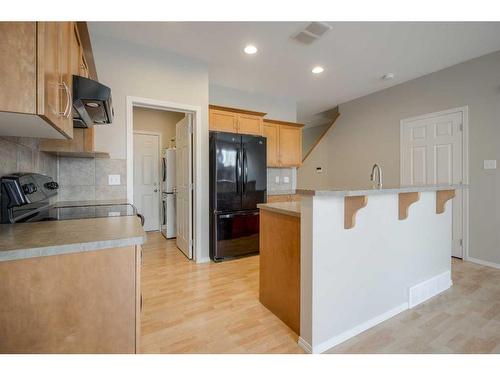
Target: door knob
[155,190]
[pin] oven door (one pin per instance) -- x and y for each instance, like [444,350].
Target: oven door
[236,234]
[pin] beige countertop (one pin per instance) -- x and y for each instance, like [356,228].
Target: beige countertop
[370,190]
[106,202]
[29,240]
[287,208]
[281,192]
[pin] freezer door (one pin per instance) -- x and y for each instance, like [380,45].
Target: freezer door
[236,234]
[254,171]
[225,172]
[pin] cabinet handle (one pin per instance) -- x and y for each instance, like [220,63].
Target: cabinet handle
[68,101]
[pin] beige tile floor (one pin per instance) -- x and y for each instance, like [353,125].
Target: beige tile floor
[214,308]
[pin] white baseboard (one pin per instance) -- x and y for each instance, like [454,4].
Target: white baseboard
[203,260]
[483,262]
[429,288]
[305,345]
[320,348]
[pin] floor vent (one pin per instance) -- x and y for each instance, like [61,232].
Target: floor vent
[312,32]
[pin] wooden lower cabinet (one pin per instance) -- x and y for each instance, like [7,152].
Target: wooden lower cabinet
[279,262]
[86,302]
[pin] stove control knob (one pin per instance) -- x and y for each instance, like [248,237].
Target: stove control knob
[51,185]
[29,188]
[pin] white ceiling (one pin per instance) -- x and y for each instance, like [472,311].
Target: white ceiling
[354,54]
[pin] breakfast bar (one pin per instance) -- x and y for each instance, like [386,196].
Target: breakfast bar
[365,255]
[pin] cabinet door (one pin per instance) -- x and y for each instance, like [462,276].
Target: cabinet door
[249,124]
[270,131]
[53,66]
[67,67]
[222,121]
[18,67]
[290,146]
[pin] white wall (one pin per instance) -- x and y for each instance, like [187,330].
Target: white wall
[284,109]
[133,70]
[355,278]
[368,132]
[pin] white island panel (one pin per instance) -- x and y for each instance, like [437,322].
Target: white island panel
[352,279]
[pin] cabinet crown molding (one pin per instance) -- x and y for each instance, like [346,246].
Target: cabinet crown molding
[236,110]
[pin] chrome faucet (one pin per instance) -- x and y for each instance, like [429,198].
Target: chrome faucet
[372,176]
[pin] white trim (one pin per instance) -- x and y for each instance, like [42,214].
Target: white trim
[203,260]
[429,288]
[305,345]
[465,165]
[134,101]
[483,262]
[334,341]
[158,164]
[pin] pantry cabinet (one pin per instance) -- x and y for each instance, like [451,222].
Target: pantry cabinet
[234,120]
[284,143]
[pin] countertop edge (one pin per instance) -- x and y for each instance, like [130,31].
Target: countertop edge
[269,207]
[18,254]
[390,190]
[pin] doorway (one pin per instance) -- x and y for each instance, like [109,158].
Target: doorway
[156,165]
[434,150]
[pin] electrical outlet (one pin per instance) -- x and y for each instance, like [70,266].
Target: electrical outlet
[319,170]
[277,180]
[490,164]
[286,179]
[113,179]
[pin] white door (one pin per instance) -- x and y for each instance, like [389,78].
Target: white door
[184,182]
[146,179]
[431,153]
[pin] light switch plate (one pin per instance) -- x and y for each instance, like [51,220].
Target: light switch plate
[286,179]
[277,179]
[490,164]
[113,179]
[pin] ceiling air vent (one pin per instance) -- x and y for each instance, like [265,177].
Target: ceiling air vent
[312,32]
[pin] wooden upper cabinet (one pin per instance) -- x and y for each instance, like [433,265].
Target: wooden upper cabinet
[284,143]
[234,120]
[290,146]
[223,121]
[18,67]
[39,60]
[249,124]
[270,131]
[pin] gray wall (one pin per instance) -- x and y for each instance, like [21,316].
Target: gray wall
[310,135]
[284,109]
[87,179]
[368,131]
[22,155]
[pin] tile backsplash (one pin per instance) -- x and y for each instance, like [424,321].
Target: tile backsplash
[20,154]
[276,178]
[87,179]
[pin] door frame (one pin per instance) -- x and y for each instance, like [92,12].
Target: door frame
[146,132]
[465,164]
[196,111]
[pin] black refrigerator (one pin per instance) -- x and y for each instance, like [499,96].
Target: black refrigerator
[238,182]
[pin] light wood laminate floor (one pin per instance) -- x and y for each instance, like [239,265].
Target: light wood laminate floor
[205,308]
[214,308]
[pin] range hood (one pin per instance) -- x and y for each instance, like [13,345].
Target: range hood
[92,103]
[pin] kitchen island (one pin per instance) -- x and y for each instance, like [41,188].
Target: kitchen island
[365,255]
[71,286]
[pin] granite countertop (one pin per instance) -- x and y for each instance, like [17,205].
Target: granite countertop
[370,190]
[281,192]
[29,240]
[287,208]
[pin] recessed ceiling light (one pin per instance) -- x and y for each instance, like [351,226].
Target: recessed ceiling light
[318,69]
[250,49]
[388,76]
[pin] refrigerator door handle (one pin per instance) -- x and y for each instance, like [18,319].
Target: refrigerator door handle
[164,170]
[245,170]
[238,171]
